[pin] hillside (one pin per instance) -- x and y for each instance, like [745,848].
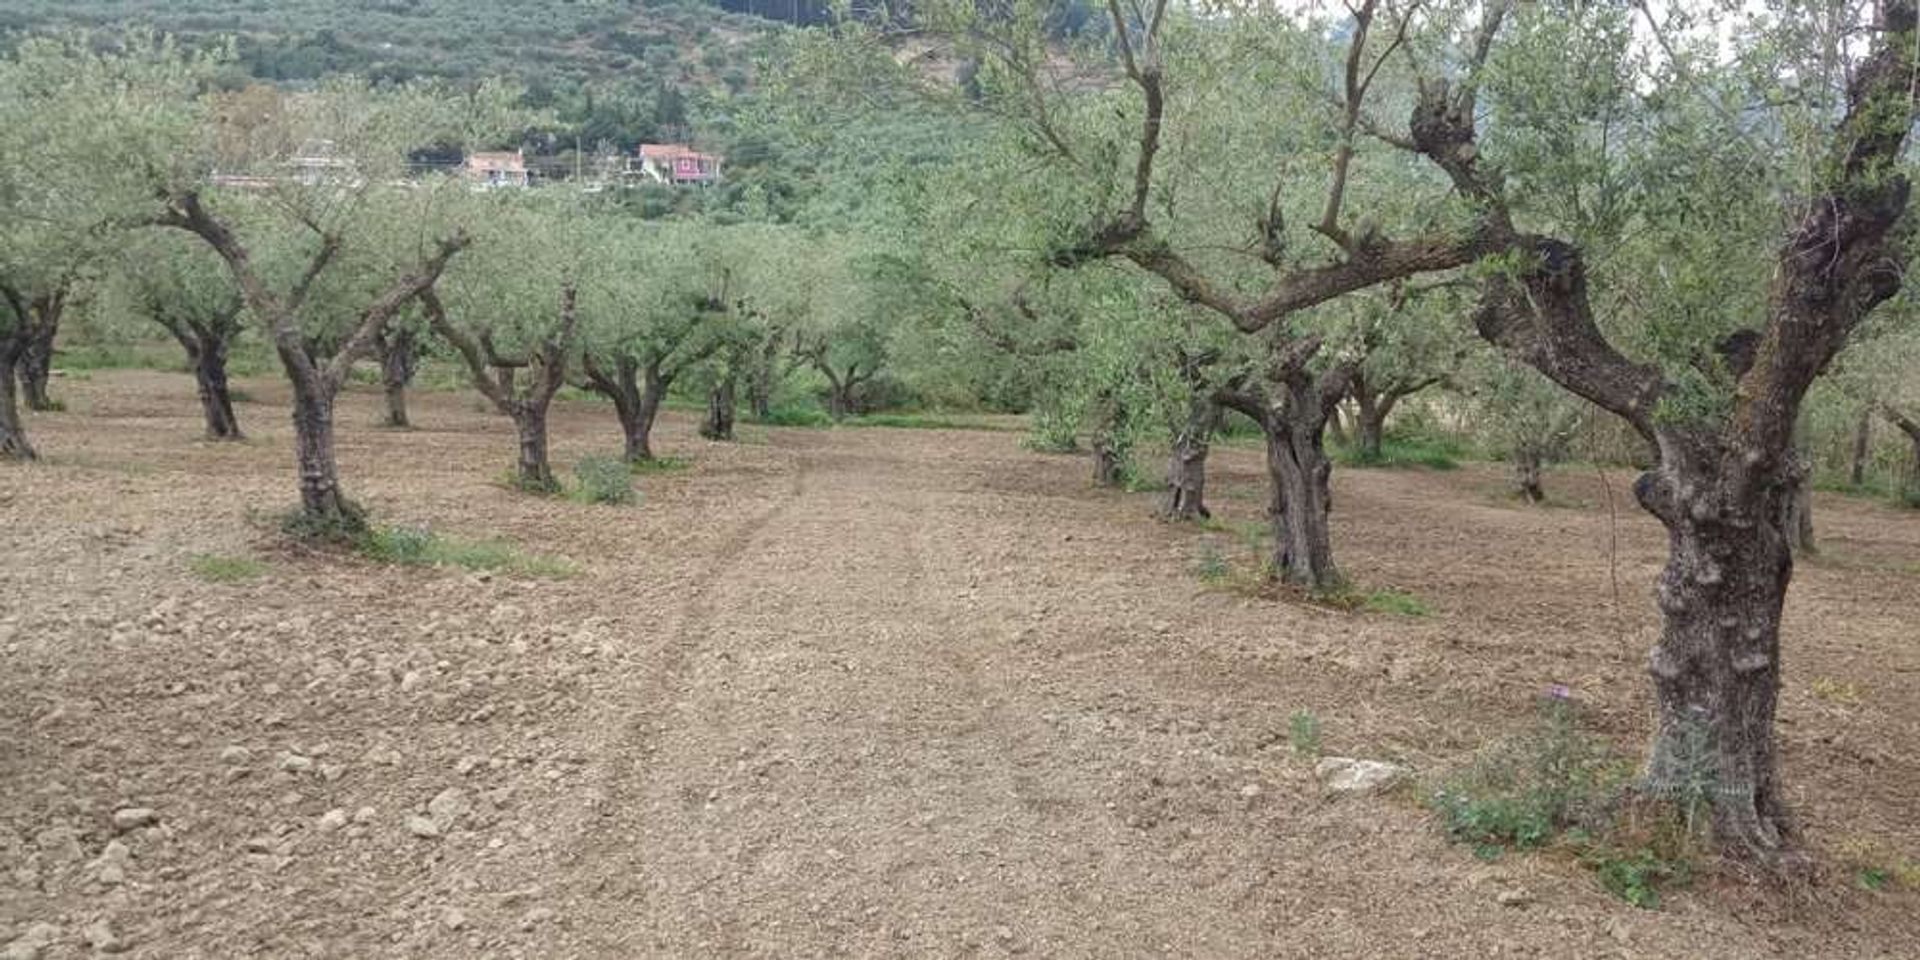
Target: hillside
[547,43]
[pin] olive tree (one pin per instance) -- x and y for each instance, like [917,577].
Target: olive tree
[183,287]
[663,310]
[513,305]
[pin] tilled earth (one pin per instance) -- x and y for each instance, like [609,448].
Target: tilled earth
[844,693]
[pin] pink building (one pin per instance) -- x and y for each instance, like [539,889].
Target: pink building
[676,163]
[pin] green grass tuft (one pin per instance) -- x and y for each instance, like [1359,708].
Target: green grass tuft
[1303,731]
[659,465]
[1395,602]
[222,569]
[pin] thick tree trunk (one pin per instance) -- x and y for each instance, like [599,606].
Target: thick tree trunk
[1716,669]
[1862,447]
[36,365]
[533,472]
[216,399]
[760,379]
[1107,441]
[1528,466]
[636,406]
[1187,462]
[1302,507]
[1370,426]
[398,362]
[719,422]
[322,504]
[1369,420]
[839,402]
[13,434]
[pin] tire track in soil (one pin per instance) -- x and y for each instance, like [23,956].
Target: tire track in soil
[796,722]
[640,712]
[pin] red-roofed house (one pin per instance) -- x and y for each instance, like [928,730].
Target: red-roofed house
[676,163]
[497,169]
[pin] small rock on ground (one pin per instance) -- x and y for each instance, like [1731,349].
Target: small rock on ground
[133,818]
[1348,775]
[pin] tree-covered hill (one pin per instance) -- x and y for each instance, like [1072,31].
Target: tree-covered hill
[547,43]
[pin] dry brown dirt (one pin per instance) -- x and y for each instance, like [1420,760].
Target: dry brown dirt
[843,693]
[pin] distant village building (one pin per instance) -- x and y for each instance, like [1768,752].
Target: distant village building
[676,163]
[497,169]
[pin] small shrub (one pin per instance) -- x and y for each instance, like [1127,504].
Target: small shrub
[400,545]
[221,569]
[606,480]
[1303,731]
[344,527]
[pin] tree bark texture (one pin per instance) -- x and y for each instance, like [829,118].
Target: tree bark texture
[36,365]
[216,397]
[635,405]
[399,361]
[719,422]
[1187,461]
[1862,447]
[1528,467]
[1292,408]
[13,433]
[206,341]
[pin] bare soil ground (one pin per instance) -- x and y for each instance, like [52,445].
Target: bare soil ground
[843,693]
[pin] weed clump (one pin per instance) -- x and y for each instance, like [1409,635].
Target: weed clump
[1052,430]
[419,546]
[1557,787]
[607,480]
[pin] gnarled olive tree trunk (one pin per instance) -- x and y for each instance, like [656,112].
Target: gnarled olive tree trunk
[637,406]
[497,378]
[13,433]
[36,320]
[316,379]
[1862,447]
[1292,411]
[1528,467]
[1374,402]
[36,364]
[719,422]
[1187,461]
[206,341]
[399,361]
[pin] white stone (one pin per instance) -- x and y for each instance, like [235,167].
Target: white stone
[1348,775]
